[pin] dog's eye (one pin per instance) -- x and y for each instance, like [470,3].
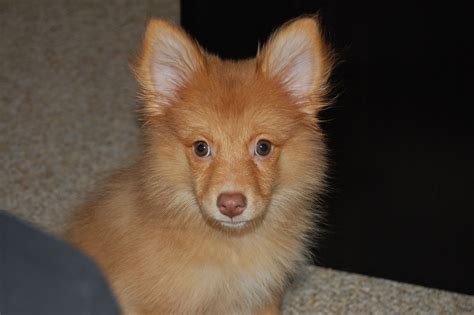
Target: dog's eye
[263,147]
[201,149]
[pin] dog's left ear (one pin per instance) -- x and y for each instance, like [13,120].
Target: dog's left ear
[297,57]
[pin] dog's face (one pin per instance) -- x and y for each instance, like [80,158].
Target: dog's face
[234,137]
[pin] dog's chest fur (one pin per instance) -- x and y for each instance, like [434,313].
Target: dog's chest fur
[211,276]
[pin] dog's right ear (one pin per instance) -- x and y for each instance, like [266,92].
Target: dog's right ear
[168,60]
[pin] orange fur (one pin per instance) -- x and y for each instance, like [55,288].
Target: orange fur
[154,227]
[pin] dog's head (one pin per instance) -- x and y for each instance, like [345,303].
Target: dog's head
[239,139]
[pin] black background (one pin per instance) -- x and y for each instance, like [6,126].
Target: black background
[400,134]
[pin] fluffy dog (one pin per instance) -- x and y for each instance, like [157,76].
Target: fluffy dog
[214,216]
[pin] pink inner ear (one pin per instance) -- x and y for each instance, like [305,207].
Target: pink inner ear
[172,64]
[300,73]
[292,60]
[166,77]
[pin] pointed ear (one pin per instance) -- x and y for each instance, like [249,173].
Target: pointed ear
[168,60]
[297,57]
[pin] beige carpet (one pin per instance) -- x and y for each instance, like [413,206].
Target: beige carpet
[67,101]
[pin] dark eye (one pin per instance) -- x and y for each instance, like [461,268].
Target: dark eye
[201,149]
[263,147]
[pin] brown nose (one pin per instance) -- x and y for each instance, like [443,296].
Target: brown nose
[231,204]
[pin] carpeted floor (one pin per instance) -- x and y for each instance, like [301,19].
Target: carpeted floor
[67,100]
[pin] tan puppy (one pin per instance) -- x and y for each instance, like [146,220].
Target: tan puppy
[214,216]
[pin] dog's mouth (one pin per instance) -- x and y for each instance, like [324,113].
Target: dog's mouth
[247,221]
[233,224]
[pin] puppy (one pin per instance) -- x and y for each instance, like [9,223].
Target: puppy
[214,216]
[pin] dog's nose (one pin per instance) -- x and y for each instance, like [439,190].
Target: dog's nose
[231,204]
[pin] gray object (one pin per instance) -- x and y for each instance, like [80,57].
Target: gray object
[42,275]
